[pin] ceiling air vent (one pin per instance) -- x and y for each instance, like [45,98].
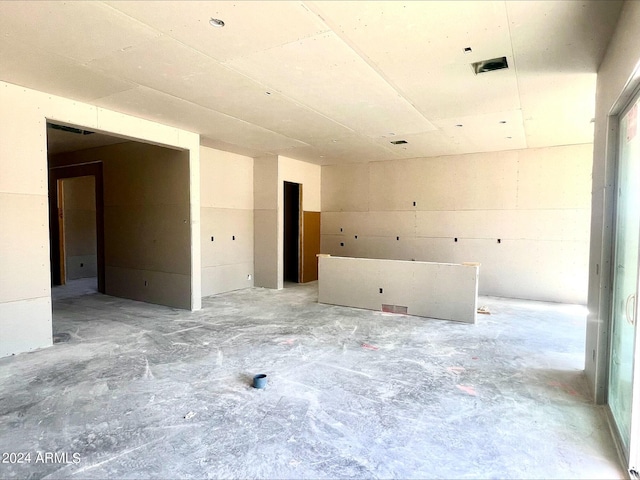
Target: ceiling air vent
[64,128]
[490,65]
[399,142]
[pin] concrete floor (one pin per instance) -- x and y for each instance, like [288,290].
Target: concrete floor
[143,391]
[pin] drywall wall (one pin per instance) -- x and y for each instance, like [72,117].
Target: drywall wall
[146,216]
[269,176]
[618,76]
[79,220]
[25,291]
[436,290]
[226,206]
[265,222]
[522,214]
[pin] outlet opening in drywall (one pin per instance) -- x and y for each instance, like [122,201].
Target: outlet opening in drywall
[490,65]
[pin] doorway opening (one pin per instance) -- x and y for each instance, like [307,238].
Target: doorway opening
[76,224]
[292,222]
[77,259]
[141,193]
[76,208]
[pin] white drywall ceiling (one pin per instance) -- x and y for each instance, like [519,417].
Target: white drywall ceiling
[326,82]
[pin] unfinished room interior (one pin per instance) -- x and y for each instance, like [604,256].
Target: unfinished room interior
[319,239]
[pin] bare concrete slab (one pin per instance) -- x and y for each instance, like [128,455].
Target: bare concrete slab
[135,390]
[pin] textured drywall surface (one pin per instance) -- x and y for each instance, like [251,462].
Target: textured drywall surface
[226,206]
[144,391]
[615,73]
[522,214]
[436,290]
[79,214]
[265,222]
[24,238]
[25,307]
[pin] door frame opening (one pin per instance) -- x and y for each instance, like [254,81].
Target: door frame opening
[292,237]
[56,175]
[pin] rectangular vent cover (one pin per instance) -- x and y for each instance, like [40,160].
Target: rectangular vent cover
[394,309]
[64,128]
[490,65]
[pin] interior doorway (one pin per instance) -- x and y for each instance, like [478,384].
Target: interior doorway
[76,223]
[77,226]
[142,214]
[292,239]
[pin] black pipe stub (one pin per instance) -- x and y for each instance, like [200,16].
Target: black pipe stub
[260,381]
